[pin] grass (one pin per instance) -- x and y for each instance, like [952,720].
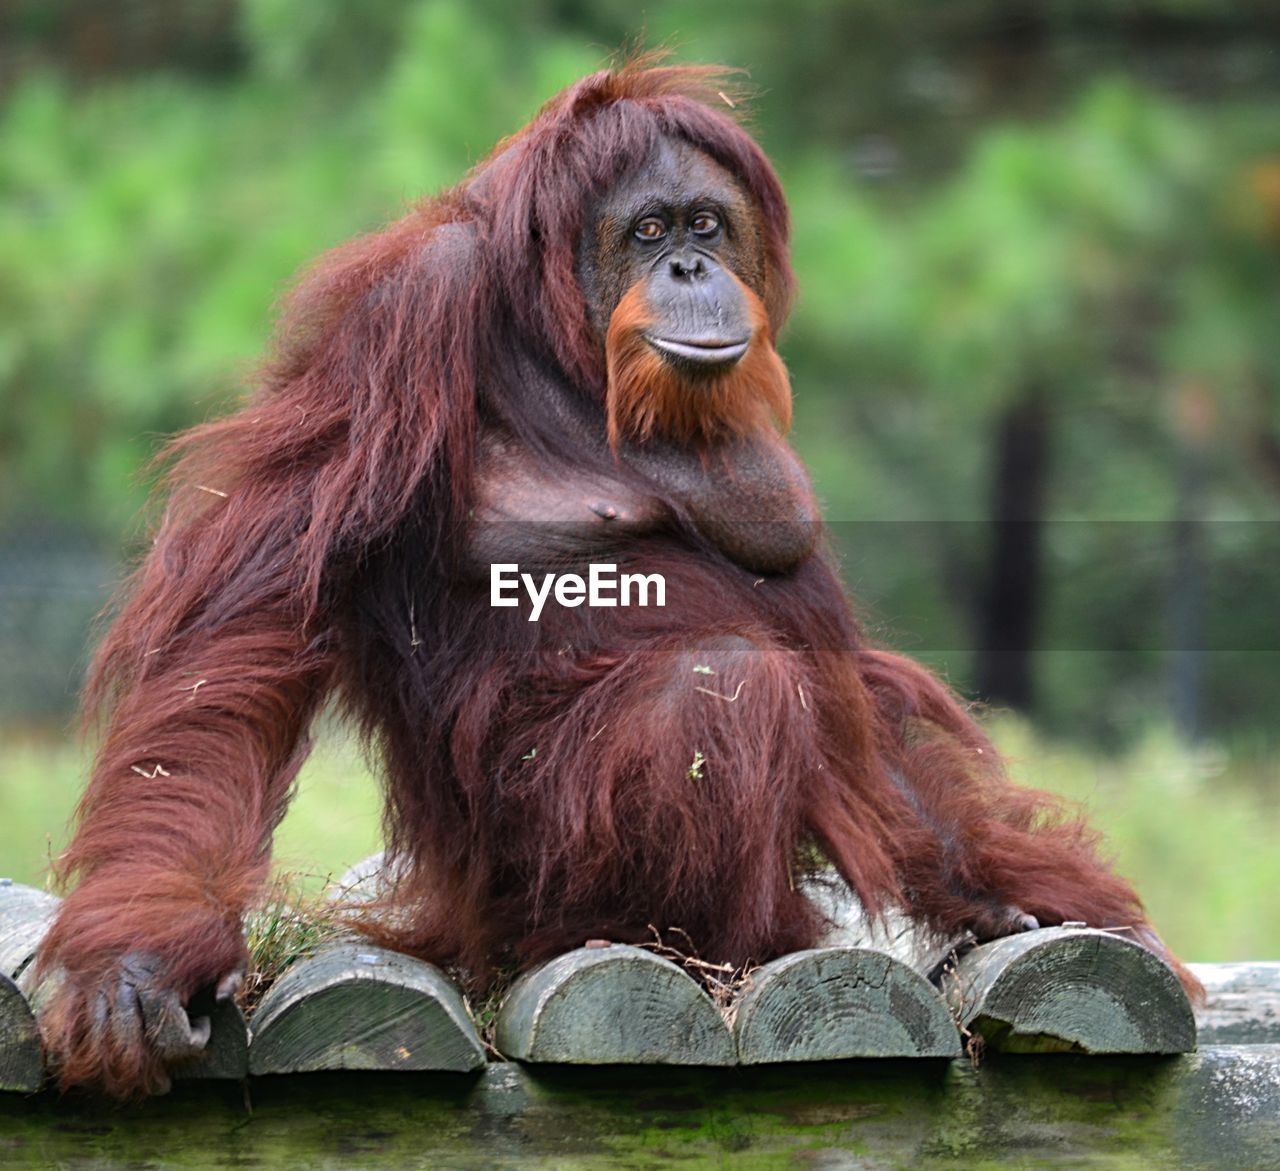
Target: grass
[291,922]
[333,821]
[1196,830]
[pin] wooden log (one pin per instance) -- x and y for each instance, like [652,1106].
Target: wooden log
[613,1005]
[21,1062]
[828,1004]
[367,879]
[1061,989]
[1215,1110]
[356,1006]
[25,916]
[894,933]
[226,1056]
[1242,1004]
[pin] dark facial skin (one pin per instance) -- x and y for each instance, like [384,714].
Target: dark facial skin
[680,226]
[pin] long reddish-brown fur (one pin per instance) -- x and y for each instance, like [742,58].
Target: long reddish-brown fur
[313,542]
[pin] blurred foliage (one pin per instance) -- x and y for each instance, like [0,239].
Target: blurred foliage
[1082,201]
[148,226]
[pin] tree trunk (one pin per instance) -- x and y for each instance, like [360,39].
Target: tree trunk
[1195,420]
[1009,604]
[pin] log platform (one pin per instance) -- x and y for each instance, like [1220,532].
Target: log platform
[356,1006]
[615,1055]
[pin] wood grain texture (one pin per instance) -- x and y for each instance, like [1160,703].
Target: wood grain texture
[25,915]
[614,1005]
[1062,989]
[355,1006]
[829,1004]
[226,1057]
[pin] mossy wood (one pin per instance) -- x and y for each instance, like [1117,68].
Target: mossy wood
[615,1005]
[356,1006]
[1062,989]
[21,1063]
[1215,1110]
[828,1004]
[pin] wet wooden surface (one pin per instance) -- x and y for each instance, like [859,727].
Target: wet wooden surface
[1217,1109]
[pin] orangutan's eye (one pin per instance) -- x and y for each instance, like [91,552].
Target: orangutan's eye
[650,228]
[705,223]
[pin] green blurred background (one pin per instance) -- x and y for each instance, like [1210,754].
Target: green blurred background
[1036,356]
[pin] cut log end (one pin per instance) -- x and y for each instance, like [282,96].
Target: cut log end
[356,1006]
[1069,989]
[830,1004]
[616,1005]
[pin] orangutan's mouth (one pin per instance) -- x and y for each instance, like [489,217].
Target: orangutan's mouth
[700,351]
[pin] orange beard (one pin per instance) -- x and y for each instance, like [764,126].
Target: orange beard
[646,395]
